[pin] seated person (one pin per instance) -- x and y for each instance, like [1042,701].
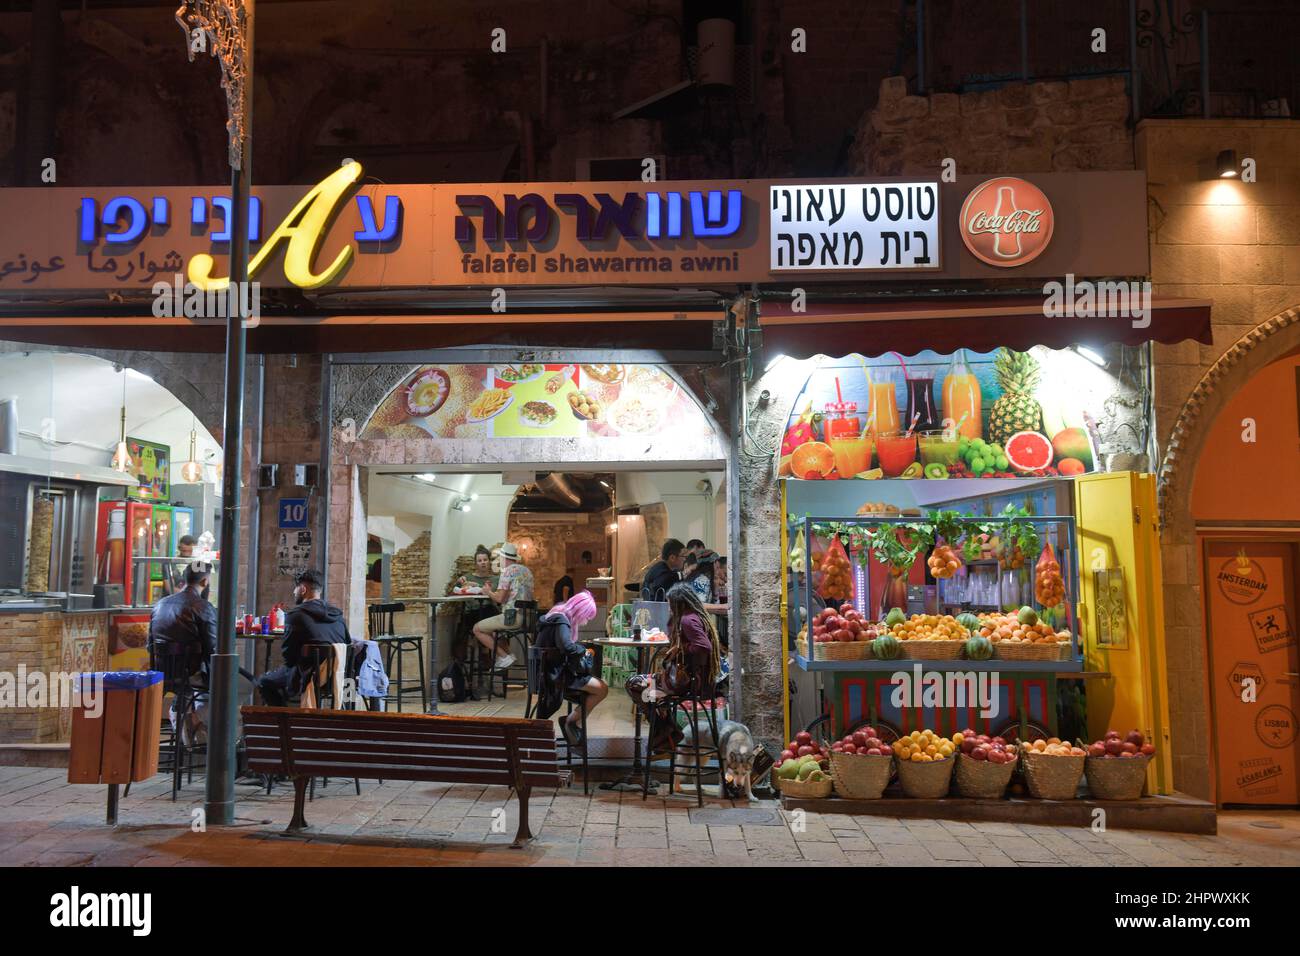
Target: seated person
[693,661]
[665,572]
[482,573]
[311,621]
[474,611]
[558,628]
[184,620]
[515,584]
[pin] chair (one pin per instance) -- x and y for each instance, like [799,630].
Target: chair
[395,647]
[538,659]
[179,664]
[692,747]
[522,633]
[321,663]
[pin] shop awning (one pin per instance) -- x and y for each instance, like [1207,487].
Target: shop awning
[982,324]
[686,331]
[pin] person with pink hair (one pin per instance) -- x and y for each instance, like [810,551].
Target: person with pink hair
[568,670]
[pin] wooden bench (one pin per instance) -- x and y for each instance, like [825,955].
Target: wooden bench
[301,744]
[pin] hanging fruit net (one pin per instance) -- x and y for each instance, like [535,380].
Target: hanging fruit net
[837,573]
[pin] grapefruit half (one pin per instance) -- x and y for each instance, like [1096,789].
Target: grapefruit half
[1029,451]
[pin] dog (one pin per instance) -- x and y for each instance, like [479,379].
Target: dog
[736,753]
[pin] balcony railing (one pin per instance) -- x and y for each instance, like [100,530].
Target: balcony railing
[1177,57]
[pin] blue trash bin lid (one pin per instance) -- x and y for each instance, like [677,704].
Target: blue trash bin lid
[118,680]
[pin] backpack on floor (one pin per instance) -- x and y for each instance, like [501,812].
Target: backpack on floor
[452,686]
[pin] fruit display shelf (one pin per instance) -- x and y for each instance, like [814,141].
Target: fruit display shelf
[1066,667]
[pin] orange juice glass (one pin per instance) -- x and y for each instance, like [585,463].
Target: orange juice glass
[883,405]
[961,397]
[852,455]
[896,451]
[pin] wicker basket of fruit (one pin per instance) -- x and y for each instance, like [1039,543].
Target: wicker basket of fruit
[861,765]
[925,763]
[1013,650]
[811,789]
[932,650]
[984,766]
[842,650]
[1053,769]
[1117,768]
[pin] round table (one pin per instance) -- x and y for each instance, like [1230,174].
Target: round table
[633,780]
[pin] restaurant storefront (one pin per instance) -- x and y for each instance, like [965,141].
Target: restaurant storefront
[729,296]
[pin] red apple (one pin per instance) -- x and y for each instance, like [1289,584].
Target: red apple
[873,751]
[786,755]
[1113,746]
[1129,749]
[1097,750]
[803,738]
[1148,749]
[1111,733]
[803,751]
[1135,738]
[1128,755]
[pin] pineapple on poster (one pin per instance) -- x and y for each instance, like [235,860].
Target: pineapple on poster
[1002,414]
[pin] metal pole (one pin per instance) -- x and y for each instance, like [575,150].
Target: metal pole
[1024,41]
[1205,64]
[323,470]
[223,668]
[1135,76]
[735,629]
[920,47]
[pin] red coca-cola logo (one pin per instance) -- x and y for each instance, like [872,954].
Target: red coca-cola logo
[1006,222]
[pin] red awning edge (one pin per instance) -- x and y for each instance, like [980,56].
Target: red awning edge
[979,324]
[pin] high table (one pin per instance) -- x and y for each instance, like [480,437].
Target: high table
[431,673]
[634,778]
[269,640]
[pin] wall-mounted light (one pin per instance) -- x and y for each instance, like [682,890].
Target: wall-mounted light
[461,504]
[1225,164]
[613,528]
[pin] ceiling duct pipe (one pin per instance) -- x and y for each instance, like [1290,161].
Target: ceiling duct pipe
[556,487]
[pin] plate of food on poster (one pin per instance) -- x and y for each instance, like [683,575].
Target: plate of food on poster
[1002,414]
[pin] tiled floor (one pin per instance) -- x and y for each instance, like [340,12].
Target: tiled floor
[45,821]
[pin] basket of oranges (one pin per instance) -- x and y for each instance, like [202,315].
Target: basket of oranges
[1053,768]
[925,762]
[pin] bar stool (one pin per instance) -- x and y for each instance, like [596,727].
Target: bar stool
[697,750]
[520,634]
[179,664]
[539,659]
[394,647]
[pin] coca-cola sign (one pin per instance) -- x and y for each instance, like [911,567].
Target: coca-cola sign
[1006,222]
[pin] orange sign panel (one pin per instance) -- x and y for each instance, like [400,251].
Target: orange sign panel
[1250,600]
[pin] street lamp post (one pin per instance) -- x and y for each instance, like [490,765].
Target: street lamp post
[225,28]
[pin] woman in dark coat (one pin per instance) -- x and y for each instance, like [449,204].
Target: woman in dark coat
[570,672]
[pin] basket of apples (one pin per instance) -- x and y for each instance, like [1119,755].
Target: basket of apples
[802,769]
[1053,768]
[861,765]
[925,762]
[842,634]
[1116,767]
[984,765]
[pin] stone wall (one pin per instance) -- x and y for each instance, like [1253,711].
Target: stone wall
[1237,244]
[47,644]
[410,574]
[546,549]
[1018,128]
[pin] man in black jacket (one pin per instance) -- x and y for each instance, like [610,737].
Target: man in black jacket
[665,572]
[311,621]
[185,620]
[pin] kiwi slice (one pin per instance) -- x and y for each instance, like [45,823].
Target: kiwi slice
[936,470]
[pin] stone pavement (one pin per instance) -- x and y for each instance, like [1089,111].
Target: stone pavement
[45,821]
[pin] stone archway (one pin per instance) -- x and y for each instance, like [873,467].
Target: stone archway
[1184,631]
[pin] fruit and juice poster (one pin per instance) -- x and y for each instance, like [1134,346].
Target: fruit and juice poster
[151,466]
[1003,414]
[537,401]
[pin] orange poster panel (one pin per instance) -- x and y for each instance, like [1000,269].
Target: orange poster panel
[1250,598]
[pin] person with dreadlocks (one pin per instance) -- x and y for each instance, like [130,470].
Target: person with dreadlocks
[692,662]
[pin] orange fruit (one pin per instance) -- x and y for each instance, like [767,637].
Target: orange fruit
[813,456]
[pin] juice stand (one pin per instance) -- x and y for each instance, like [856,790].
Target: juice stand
[955,559]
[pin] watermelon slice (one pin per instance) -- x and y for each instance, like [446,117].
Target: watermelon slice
[1029,451]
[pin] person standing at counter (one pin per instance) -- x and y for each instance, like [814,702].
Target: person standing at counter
[176,573]
[311,621]
[515,584]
